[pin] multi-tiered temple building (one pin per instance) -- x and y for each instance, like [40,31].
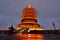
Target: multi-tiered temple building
[29,19]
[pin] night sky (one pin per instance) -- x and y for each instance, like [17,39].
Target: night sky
[48,11]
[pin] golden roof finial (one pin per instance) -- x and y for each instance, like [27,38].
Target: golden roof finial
[29,6]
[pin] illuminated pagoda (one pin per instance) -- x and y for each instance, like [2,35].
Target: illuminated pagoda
[29,19]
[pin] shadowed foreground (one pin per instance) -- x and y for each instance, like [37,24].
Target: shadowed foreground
[30,37]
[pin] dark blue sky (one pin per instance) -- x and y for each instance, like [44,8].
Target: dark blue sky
[48,11]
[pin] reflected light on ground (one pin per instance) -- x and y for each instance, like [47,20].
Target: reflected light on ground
[30,36]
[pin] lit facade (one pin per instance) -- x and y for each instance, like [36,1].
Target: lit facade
[29,19]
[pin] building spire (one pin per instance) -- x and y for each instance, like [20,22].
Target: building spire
[29,6]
